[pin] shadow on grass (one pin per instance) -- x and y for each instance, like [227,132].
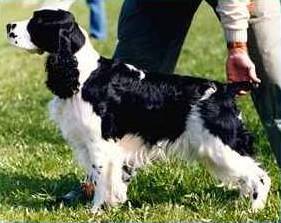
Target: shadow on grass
[158,187]
[36,192]
[187,197]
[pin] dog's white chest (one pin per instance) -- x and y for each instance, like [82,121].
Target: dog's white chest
[76,120]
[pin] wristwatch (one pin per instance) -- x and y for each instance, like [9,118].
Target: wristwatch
[237,45]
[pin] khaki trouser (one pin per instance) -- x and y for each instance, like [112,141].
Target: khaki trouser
[265,51]
[151,36]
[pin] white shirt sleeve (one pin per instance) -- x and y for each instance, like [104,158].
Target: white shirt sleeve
[234,15]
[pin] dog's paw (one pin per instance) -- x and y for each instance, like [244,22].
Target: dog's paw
[96,210]
[71,197]
[120,193]
[258,205]
[260,192]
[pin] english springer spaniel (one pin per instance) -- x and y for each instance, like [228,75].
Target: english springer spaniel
[118,118]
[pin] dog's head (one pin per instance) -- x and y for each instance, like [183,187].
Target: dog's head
[49,30]
[54,30]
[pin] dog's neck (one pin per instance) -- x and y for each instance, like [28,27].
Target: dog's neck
[87,58]
[67,73]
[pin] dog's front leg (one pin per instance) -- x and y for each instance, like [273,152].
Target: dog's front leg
[110,190]
[99,180]
[107,175]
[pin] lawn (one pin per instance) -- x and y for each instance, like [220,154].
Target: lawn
[36,164]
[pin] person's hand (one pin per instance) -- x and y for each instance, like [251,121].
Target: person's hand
[239,66]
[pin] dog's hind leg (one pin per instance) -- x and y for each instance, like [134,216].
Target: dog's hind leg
[232,168]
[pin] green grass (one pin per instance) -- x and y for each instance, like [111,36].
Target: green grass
[36,164]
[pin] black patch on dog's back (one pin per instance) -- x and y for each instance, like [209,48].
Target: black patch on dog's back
[154,108]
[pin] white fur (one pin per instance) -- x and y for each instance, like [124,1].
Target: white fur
[208,93]
[82,129]
[226,164]
[278,123]
[87,59]
[22,38]
[131,67]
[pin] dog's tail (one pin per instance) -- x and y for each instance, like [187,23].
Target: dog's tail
[234,88]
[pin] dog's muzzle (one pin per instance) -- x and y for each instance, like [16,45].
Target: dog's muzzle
[10,27]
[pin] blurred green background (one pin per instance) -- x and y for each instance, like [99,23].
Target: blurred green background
[36,164]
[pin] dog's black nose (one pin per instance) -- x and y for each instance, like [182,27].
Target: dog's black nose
[8,27]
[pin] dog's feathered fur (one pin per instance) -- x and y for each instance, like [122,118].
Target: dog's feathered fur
[63,75]
[164,101]
[117,117]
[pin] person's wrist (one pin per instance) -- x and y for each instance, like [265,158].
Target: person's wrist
[234,47]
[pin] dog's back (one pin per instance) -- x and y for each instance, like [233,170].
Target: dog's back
[156,107]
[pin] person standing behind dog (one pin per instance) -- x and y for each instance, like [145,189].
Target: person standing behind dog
[98,27]
[151,34]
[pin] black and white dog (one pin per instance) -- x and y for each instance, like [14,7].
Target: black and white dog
[118,118]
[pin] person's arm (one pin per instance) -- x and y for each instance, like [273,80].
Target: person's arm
[234,15]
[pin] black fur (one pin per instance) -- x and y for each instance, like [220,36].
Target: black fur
[220,116]
[57,33]
[62,75]
[157,107]
[48,27]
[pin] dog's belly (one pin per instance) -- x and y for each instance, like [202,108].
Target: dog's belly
[137,153]
[79,125]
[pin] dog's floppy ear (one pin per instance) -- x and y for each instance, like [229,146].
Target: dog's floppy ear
[71,38]
[62,71]
[48,28]
[64,46]
[61,66]
[57,4]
